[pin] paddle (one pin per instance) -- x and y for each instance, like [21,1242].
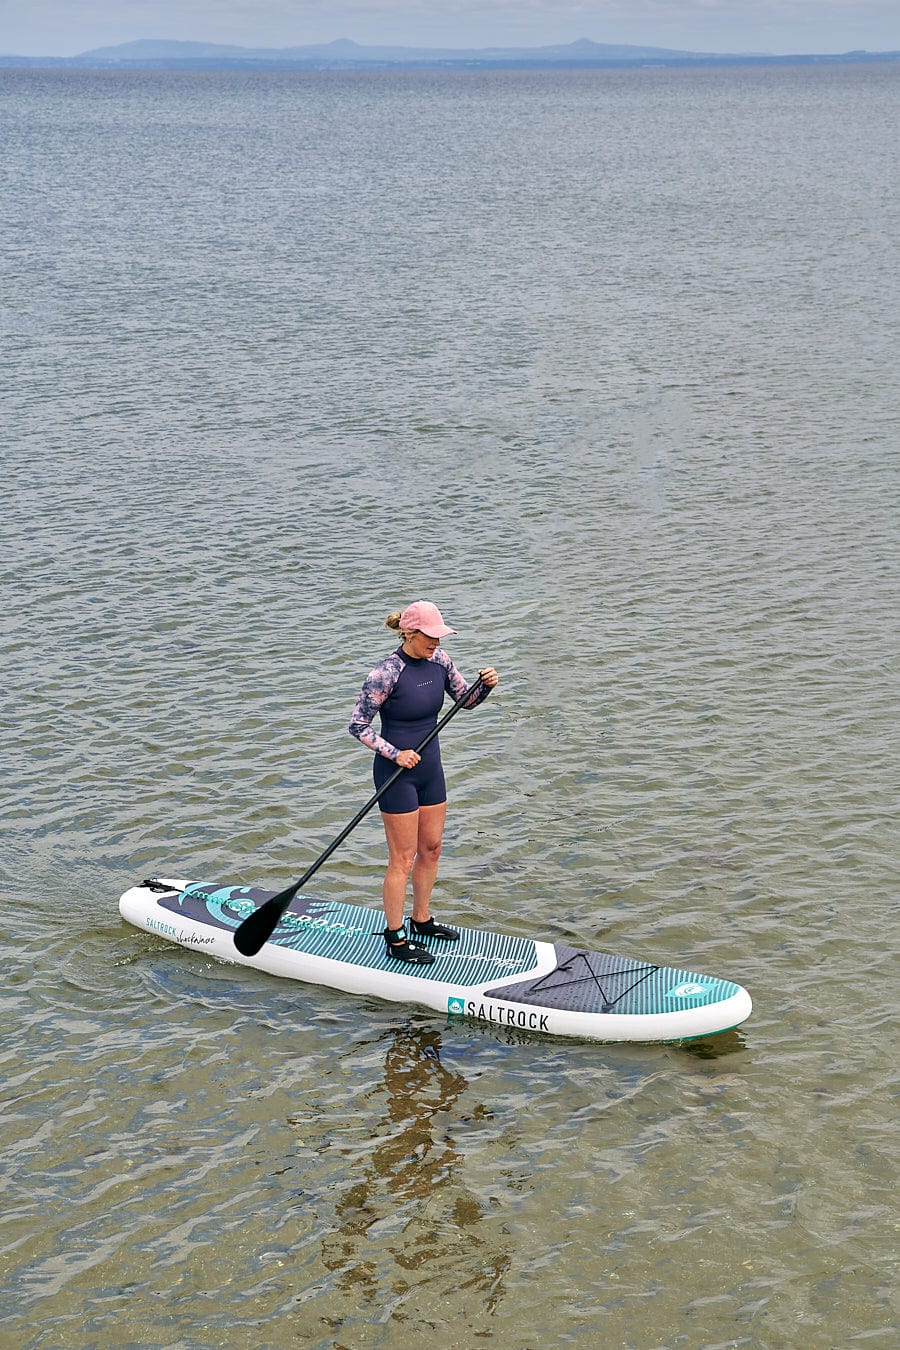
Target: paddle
[261,924]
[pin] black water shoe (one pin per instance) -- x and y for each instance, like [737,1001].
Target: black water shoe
[399,948]
[434,930]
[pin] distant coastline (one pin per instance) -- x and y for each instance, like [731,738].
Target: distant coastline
[151,54]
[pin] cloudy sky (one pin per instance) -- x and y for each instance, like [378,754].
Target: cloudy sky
[65,27]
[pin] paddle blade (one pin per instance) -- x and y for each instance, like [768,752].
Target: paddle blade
[256,930]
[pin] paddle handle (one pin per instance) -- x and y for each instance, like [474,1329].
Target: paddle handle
[259,926]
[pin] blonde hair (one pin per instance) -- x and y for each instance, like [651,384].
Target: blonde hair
[393,619]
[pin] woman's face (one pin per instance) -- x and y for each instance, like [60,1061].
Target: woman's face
[420,646]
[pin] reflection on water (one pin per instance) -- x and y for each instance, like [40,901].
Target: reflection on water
[716,1047]
[410,1192]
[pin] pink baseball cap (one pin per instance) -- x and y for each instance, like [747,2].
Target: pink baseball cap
[424,617]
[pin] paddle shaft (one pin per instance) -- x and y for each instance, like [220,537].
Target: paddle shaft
[256,930]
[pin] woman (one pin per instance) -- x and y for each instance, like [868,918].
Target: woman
[407,688]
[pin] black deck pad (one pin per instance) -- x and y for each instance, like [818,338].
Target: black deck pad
[581,982]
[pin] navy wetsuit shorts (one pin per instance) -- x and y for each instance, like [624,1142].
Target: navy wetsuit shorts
[422,786]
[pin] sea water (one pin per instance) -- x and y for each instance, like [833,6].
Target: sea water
[605,364]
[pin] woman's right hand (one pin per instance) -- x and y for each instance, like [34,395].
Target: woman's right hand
[408,759]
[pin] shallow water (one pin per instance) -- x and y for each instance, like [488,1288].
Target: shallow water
[605,364]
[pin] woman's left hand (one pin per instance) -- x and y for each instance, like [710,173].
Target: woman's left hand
[489,676]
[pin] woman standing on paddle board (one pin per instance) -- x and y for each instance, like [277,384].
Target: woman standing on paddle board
[407,689]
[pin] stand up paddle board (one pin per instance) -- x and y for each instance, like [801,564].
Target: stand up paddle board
[547,987]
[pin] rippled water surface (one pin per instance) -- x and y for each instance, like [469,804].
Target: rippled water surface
[605,364]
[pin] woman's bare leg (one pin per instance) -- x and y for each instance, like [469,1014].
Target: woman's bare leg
[401,832]
[428,851]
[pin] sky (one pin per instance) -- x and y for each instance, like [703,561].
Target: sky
[67,27]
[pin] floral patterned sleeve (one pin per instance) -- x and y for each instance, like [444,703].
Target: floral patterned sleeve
[455,682]
[376,688]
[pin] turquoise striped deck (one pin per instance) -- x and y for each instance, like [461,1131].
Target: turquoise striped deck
[353,934]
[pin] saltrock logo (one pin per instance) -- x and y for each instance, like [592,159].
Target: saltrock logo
[690,989]
[501,1013]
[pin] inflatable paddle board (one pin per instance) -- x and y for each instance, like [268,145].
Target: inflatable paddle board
[547,987]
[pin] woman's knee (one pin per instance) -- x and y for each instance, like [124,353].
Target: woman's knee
[402,859]
[430,850]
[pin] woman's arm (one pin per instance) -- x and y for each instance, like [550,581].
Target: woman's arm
[376,688]
[457,685]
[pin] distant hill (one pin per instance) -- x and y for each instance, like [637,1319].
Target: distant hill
[343,54]
[344,51]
